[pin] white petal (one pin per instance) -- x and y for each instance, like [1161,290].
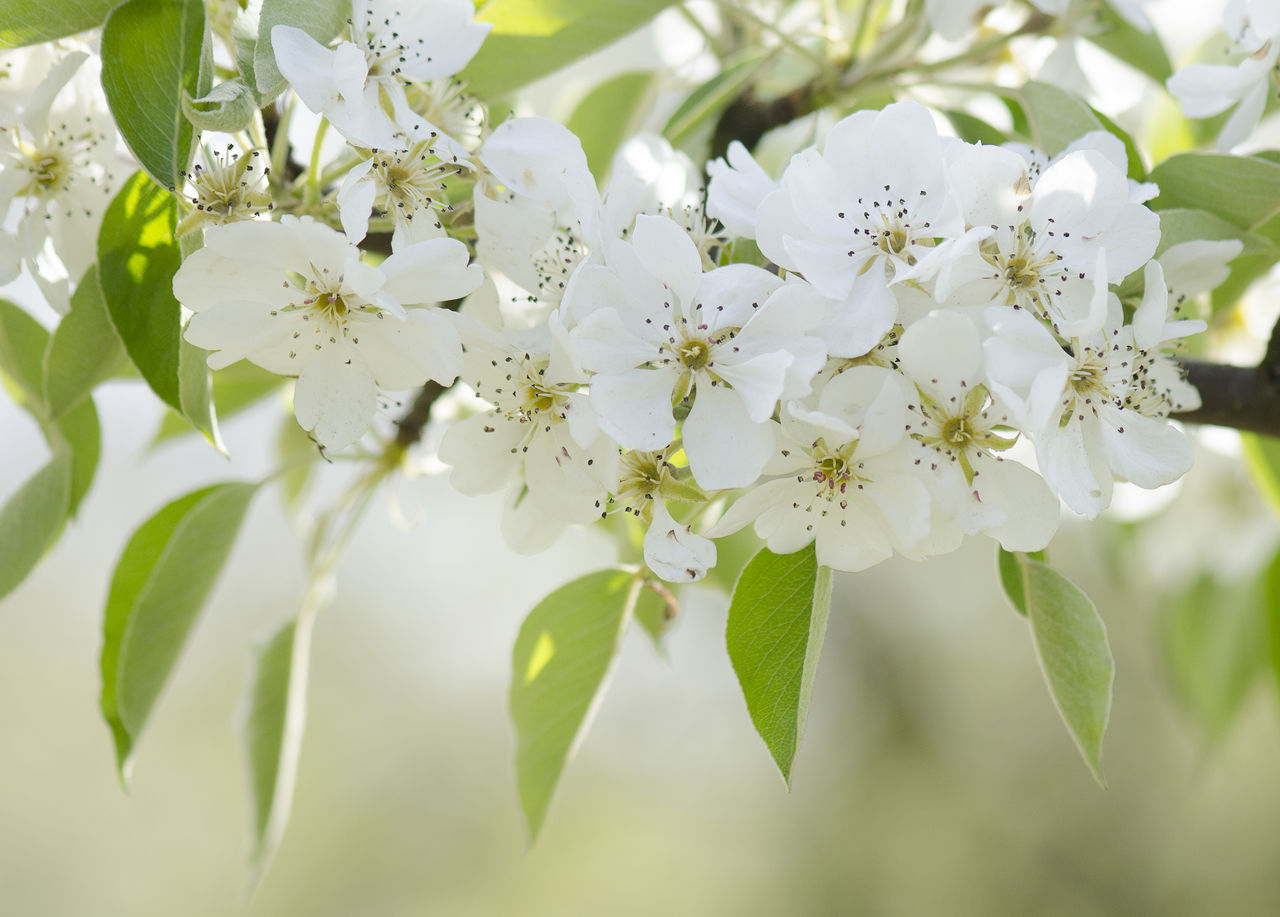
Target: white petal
[667,253]
[635,407]
[335,398]
[482,452]
[673,551]
[434,270]
[726,448]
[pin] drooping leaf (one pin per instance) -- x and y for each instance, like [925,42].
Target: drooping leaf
[137,258]
[1262,458]
[85,349]
[559,663]
[534,38]
[1009,565]
[30,22]
[159,587]
[1243,190]
[608,115]
[31,520]
[152,53]
[655,609]
[272,721]
[227,107]
[777,623]
[235,388]
[321,19]
[1071,645]
[80,432]
[1213,642]
[23,341]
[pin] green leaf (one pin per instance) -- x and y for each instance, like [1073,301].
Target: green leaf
[137,258]
[84,351]
[321,19]
[228,107]
[655,609]
[1141,50]
[1179,225]
[151,59]
[296,452]
[1136,169]
[560,660]
[22,345]
[160,584]
[1262,458]
[1056,117]
[534,38]
[974,130]
[272,721]
[1071,645]
[709,99]
[1271,617]
[31,520]
[79,431]
[777,622]
[30,22]
[1214,645]
[1243,190]
[609,114]
[235,388]
[1009,565]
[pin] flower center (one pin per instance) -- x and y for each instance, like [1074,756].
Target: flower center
[956,432]
[834,468]
[694,355]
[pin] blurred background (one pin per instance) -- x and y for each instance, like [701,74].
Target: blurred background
[935,776]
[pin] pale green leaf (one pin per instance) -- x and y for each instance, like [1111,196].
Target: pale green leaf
[1009,565]
[31,520]
[1214,646]
[972,129]
[1141,50]
[85,349]
[30,22]
[1243,190]
[236,388]
[1179,225]
[608,115]
[656,608]
[321,19]
[709,99]
[297,453]
[560,661]
[272,721]
[1071,645]
[151,59]
[159,587]
[228,107]
[23,341]
[1262,458]
[137,258]
[1056,117]
[777,622]
[534,38]
[79,431]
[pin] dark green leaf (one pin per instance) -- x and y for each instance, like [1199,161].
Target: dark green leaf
[1241,189]
[1136,169]
[30,22]
[561,657]
[1071,644]
[777,622]
[974,130]
[274,714]
[31,520]
[151,59]
[160,584]
[534,38]
[608,115]
[321,19]
[137,258]
[84,351]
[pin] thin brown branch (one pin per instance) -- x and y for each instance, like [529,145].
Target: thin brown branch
[1243,397]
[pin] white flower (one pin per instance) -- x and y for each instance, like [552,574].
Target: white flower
[736,189]
[1209,89]
[1096,405]
[541,429]
[673,551]
[655,330]
[56,145]
[964,432]
[409,185]
[359,85]
[295,298]
[850,484]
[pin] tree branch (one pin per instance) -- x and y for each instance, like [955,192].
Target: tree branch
[1243,397]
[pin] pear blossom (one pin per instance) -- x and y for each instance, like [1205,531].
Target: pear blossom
[1205,90]
[850,482]
[655,330]
[360,84]
[226,189]
[1096,405]
[56,152]
[408,185]
[295,298]
[674,551]
[735,189]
